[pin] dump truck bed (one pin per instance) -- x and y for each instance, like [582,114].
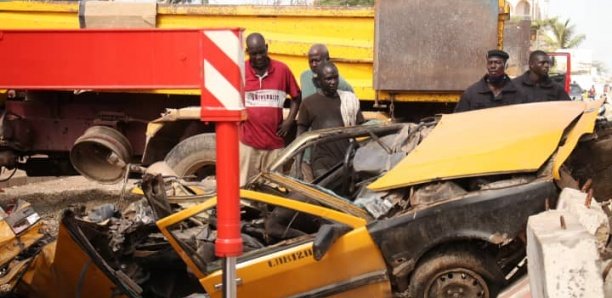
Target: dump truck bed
[349,33]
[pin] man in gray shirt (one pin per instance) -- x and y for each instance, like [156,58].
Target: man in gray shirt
[318,53]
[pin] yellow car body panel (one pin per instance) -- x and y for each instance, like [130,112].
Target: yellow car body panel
[352,256]
[6,233]
[11,245]
[74,270]
[485,142]
[40,277]
[585,125]
[63,269]
[349,220]
[294,271]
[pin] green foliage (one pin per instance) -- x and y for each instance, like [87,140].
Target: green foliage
[345,2]
[558,34]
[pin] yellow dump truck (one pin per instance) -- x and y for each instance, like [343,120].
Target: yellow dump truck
[412,58]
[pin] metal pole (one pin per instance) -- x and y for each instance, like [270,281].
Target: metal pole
[229,240]
[229,277]
[223,103]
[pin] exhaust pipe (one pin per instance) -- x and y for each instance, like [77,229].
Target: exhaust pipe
[101,154]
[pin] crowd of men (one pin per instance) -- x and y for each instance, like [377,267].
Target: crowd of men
[326,100]
[497,89]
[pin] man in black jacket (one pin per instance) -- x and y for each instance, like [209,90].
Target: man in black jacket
[494,89]
[535,83]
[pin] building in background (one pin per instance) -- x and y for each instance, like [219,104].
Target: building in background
[528,9]
[518,34]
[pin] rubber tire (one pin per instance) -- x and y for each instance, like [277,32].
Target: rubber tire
[192,152]
[442,260]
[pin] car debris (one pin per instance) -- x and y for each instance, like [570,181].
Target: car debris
[453,218]
[22,236]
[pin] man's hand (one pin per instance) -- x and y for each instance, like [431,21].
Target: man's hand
[284,128]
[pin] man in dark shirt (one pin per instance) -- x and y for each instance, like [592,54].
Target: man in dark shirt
[494,89]
[328,108]
[535,83]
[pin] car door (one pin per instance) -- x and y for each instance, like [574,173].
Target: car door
[352,267]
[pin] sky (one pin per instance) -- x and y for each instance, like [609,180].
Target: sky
[592,18]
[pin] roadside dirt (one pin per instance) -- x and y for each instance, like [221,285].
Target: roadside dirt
[49,198]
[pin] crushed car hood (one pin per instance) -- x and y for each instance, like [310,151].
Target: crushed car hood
[518,138]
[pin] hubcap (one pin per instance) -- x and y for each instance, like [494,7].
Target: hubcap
[457,282]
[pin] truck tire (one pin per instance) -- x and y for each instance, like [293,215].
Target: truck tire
[195,155]
[457,272]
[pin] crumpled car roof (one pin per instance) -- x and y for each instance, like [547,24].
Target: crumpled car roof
[510,139]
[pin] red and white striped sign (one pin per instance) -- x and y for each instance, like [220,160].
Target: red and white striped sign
[223,75]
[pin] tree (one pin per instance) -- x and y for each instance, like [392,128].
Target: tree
[560,34]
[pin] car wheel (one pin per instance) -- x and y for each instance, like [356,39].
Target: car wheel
[194,156]
[456,273]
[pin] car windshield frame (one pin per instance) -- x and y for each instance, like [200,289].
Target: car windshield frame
[276,174]
[311,138]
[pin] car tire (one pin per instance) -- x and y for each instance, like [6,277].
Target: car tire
[195,155]
[456,273]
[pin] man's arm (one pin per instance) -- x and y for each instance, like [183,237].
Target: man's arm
[293,110]
[303,120]
[294,91]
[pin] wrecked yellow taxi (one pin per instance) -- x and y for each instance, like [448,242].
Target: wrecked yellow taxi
[434,209]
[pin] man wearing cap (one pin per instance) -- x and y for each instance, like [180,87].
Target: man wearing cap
[494,89]
[535,83]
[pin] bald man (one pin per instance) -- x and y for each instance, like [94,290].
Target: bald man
[267,84]
[318,53]
[328,108]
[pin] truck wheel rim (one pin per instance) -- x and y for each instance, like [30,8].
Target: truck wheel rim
[457,282]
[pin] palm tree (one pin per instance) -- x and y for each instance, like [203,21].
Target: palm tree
[560,34]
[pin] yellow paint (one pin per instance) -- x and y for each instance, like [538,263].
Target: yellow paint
[39,277]
[352,255]
[6,233]
[11,245]
[355,253]
[323,197]
[509,139]
[39,15]
[421,97]
[289,30]
[57,272]
[271,199]
[504,14]
[585,125]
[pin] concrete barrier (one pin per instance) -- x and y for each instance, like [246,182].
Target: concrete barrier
[592,217]
[563,257]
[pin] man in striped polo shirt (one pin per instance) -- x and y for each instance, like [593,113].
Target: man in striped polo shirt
[267,84]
